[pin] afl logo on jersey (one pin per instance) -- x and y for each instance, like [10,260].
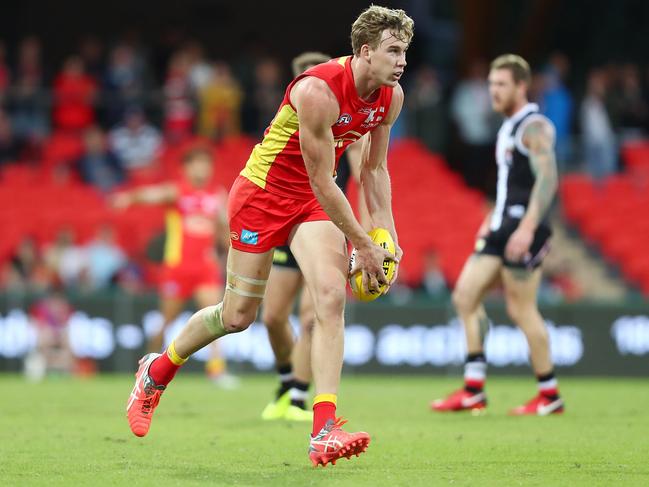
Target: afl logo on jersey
[345,119]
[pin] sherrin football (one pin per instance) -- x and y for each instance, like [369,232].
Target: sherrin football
[382,237]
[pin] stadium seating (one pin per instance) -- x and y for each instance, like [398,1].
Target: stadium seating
[434,210]
[636,157]
[611,215]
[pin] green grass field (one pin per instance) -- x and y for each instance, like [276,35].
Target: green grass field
[74,432]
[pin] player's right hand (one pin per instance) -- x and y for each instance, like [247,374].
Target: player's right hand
[369,261]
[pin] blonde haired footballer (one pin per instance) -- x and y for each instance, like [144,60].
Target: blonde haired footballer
[286,194]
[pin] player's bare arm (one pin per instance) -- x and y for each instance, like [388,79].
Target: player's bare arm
[374,175]
[221,223]
[317,110]
[539,140]
[148,195]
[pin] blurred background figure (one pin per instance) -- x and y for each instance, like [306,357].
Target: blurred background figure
[5,73]
[67,260]
[135,142]
[74,96]
[556,103]
[10,147]
[26,271]
[426,109]
[91,51]
[124,82]
[29,103]
[52,354]
[598,138]
[98,166]
[196,227]
[476,124]
[105,259]
[200,70]
[628,103]
[434,282]
[179,109]
[220,98]
[269,91]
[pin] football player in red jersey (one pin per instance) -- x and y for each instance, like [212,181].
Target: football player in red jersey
[195,224]
[285,283]
[286,194]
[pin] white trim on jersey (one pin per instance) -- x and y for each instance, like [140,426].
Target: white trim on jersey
[518,137]
[501,197]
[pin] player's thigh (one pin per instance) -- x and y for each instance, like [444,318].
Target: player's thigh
[521,287]
[247,276]
[479,273]
[321,252]
[283,287]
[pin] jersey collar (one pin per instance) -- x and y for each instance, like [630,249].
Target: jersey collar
[526,109]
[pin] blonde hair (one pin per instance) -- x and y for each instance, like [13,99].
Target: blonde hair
[307,60]
[370,24]
[519,68]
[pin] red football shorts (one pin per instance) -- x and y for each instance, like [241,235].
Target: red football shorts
[260,220]
[181,281]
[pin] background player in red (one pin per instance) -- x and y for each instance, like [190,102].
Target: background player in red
[285,283]
[512,242]
[286,193]
[195,225]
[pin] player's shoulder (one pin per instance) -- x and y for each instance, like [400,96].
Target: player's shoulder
[330,69]
[536,123]
[312,87]
[535,130]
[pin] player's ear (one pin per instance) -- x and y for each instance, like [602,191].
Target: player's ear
[365,52]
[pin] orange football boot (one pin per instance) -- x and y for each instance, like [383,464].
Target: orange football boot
[144,398]
[333,443]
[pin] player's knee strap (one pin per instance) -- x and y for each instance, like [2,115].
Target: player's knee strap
[212,317]
[246,286]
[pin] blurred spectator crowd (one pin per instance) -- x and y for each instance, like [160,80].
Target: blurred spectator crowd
[118,108]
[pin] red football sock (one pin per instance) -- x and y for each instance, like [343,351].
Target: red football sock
[162,370]
[323,411]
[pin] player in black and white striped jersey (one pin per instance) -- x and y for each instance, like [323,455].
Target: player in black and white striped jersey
[511,242]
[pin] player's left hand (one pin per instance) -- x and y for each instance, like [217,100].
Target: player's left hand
[518,245]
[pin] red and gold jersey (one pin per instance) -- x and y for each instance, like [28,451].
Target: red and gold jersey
[276,163]
[191,226]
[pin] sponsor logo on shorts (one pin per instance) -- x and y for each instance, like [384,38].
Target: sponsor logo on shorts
[249,237]
[480,244]
[234,236]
